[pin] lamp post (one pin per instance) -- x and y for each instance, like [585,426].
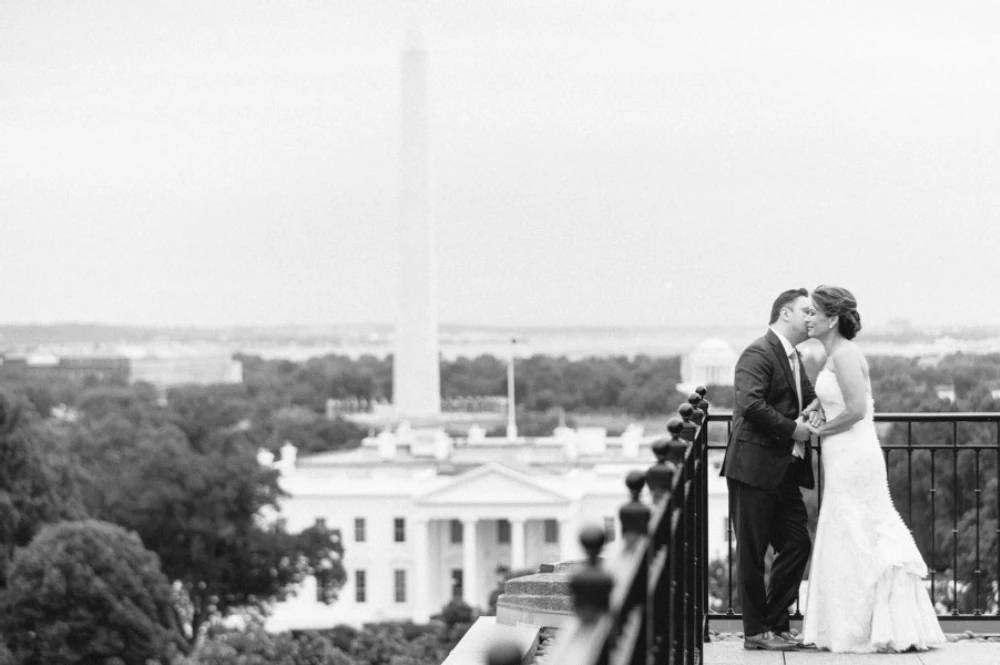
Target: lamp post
[511,421]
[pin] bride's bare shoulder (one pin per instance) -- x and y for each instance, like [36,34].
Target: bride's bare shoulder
[848,352]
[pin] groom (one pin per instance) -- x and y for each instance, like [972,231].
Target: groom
[767,459]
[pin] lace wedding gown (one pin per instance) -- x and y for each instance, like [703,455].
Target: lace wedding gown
[865,581]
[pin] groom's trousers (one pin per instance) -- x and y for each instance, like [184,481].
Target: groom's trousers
[769,517]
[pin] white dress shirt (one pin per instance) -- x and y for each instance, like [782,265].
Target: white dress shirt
[793,360]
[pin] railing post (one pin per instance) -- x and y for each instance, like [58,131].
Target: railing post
[703,406]
[697,415]
[698,505]
[685,537]
[676,445]
[674,538]
[686,411]
[660,480]
[635,516]
[660,476]
[591,587]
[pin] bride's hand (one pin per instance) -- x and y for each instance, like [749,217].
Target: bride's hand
[813,428]
[815,418]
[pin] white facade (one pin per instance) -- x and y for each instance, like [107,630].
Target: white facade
[712,363]
[406,504]
[172,370]
[946,392]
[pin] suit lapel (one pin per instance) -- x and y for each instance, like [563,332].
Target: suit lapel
[779,352]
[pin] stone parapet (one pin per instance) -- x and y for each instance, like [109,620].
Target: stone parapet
[543,599]
[485,633]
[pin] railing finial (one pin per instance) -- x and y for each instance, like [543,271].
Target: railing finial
[669,454]
[694,399]
[660,476]
[634,515]
[686,411]
[592,586]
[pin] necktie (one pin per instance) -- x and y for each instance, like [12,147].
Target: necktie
[793,358]
[798,450]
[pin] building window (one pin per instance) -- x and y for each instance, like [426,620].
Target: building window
[609,529]
[399,530]
[360,587]
[456,583]
[503,531]
[551,531]
[359,530]
[456,531]
[400,584]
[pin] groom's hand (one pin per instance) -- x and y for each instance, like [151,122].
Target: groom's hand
[814,412]
[801,432]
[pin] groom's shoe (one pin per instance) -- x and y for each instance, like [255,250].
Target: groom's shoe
[795,640]
[766,642]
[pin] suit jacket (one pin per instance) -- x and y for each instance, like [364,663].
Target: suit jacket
[760,446]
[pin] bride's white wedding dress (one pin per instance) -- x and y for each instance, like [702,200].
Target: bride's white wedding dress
[865,581]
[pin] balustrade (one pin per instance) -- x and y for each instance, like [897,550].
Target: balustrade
[650,605]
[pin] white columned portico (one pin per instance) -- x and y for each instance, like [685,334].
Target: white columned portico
[568,547]
[517,553]
[421,571]
[470,572]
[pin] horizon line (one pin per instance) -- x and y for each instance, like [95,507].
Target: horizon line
[205,327]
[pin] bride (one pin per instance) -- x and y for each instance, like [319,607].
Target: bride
[865,581]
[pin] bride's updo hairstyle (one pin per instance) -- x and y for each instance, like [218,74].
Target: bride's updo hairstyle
[835,301]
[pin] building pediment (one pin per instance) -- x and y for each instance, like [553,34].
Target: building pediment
[491,484]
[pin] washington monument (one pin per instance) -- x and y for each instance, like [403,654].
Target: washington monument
[416,374]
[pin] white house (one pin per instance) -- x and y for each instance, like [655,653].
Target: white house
[425,518]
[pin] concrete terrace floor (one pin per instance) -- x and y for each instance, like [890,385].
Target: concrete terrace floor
[965,652]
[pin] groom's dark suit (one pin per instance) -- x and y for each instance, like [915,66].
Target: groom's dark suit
[764,478]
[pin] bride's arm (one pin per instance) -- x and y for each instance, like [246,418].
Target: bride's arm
[847,362]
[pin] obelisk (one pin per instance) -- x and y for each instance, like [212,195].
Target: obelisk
[416,376]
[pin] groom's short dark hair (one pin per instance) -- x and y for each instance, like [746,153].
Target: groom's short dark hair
[784,300]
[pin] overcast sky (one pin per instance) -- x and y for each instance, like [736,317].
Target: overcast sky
[594,162]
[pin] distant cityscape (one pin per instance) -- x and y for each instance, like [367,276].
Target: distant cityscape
[168,356]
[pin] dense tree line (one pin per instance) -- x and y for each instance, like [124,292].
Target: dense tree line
[641,385]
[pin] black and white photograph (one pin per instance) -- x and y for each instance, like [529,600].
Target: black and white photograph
[456,332]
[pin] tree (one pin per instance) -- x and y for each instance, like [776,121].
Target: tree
[322,551]
[378,644]
[425,649]
[203,515]
[254,646]
[200,509]
[35,487]
[88,591]
[311,432]
[204,410]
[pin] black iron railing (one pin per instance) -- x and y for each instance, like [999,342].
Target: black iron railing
[652,604]
[943,477]
[649,605]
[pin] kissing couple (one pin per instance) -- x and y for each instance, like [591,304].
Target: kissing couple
[866,592]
